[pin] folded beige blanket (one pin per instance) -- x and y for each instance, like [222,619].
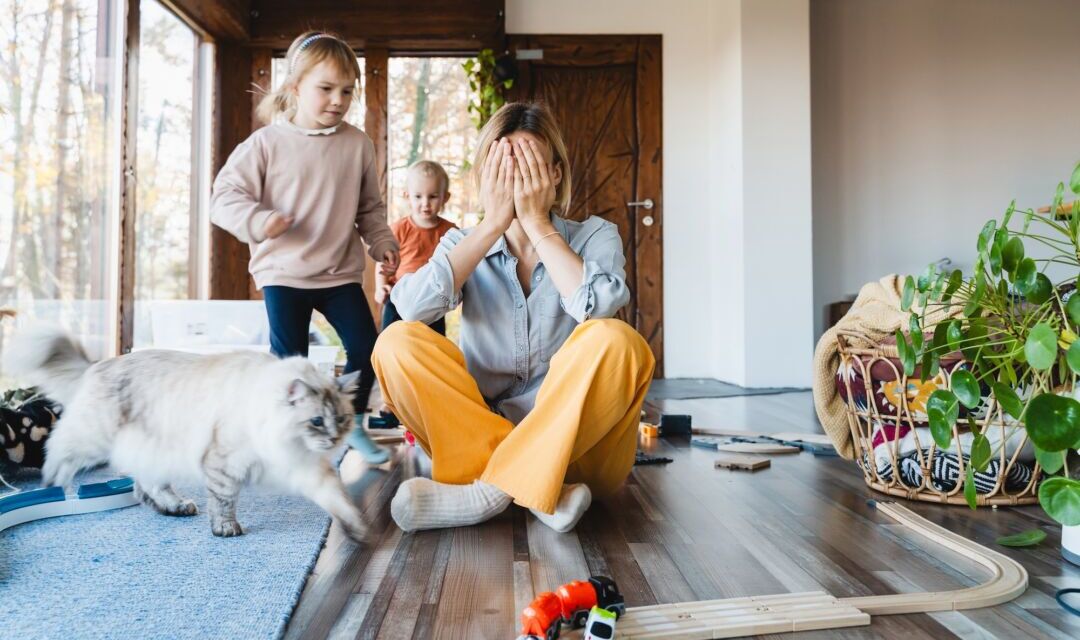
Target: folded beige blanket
[875,314]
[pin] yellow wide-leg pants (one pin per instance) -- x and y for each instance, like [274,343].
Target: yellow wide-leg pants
[583,427]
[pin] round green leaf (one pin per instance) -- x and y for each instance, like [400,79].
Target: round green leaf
[965,388]
[1041,291]
[986,235]
[1008,399]
[906,353]
[1073,356]
[974,338]
[1050,461]
[931,364]
[1008,213]
[1074,181]
[926,279]
[1024,539]
[916,333]
[908,294]
[1025,275]
[1012,254]
[1060,498]
[980,452]
[972,307]
[995,259]
[969,487]
[1041,347]
[1072,307]
[956,278]
[942,409]
[955,335]
[939,428]
[1053,422]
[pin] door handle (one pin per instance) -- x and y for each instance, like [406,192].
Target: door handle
[646,204]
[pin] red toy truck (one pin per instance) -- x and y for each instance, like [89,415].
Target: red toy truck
[542,618]
[570,604]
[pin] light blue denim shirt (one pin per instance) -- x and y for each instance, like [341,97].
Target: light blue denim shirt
[508,339]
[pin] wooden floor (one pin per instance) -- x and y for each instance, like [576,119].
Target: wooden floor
[680,532]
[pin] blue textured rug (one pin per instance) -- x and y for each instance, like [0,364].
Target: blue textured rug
[133,573]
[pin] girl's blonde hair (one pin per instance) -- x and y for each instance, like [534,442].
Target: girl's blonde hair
[534,118]
[306,51]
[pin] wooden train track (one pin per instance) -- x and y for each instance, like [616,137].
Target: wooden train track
[734,617]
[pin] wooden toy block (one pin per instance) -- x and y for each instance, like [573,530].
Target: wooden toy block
[739,462]
[757,447]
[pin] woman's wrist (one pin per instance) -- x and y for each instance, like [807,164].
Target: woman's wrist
[536,228]
[489,229]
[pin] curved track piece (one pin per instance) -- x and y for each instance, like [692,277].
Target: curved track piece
[51,502]
[1008,578]
[735,617]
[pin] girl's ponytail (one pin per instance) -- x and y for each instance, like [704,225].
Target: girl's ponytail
[274,103]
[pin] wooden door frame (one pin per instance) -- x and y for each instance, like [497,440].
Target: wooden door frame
[643,51]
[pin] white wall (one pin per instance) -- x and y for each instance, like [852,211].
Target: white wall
[734,71]
[929,116]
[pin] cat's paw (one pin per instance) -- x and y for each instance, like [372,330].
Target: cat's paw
[226,528]
[183,509]
[356,531]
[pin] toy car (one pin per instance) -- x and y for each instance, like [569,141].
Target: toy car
[580,596]
[570,604]
[542,618]
[600,625]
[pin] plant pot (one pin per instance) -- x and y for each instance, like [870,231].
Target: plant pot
[1070,544]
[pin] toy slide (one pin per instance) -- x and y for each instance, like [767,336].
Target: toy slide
[52,502]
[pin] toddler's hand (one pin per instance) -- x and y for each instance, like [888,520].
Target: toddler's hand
[382,294]
[389,265]
[277,224]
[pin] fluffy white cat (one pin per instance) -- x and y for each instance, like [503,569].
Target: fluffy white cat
[167,417]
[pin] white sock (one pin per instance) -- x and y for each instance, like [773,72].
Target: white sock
[422,503]
[574,501]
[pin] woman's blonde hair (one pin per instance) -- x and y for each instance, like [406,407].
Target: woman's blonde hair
[534,118]
[308,50]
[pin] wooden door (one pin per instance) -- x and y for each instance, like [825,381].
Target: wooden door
[605,93]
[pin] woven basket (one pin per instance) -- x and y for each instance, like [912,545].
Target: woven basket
[866,365]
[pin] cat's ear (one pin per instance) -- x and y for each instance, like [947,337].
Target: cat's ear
[347,383]
[298,390]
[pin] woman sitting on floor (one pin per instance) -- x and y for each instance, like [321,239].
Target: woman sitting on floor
[546,388]
[540,406]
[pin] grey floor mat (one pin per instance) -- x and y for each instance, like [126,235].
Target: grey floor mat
[687,388]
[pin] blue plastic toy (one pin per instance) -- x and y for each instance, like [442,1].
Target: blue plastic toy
[37,504]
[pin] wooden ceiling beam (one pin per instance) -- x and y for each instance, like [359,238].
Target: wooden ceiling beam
[215,19]
[397,25]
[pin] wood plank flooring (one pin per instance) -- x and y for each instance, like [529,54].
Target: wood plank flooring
[683,531]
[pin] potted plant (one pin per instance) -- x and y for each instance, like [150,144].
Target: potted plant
[1016,321]
[489,77]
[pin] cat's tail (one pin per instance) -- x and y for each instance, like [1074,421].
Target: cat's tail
[47,358]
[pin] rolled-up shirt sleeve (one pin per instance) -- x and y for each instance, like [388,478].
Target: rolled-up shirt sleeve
[429,294]
[603,289]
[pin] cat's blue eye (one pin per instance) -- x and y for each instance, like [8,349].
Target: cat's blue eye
[318,422]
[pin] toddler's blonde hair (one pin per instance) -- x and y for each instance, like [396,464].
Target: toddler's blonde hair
[431,169]
[306,51]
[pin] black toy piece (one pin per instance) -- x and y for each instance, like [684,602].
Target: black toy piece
[385,420]
[674,425]
[643,459]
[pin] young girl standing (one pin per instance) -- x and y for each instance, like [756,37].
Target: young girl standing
[302,192]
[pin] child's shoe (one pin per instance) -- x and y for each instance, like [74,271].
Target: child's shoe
[358,439]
